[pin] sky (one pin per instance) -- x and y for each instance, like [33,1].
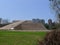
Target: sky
[25,9]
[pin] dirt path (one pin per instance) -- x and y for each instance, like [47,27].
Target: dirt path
[31,30]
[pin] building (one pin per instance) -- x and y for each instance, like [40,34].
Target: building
[25,25]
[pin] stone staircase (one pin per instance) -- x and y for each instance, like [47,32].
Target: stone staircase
[11,26]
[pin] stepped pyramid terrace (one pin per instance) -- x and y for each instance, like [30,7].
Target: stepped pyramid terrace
[24,25]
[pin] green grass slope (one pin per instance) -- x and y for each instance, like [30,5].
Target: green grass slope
[20,38]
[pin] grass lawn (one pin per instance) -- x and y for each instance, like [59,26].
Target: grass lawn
[20,38]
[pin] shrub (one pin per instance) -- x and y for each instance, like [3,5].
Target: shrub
[52,38]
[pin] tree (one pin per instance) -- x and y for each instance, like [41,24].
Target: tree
[0,20]
[50,23]
[55,5]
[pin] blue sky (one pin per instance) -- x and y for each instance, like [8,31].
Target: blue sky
[25,9]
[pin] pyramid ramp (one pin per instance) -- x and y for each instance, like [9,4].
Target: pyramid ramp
[11,26]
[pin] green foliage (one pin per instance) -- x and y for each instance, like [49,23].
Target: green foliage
[51,27]
[58,25]
[47,26]
[1,25]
